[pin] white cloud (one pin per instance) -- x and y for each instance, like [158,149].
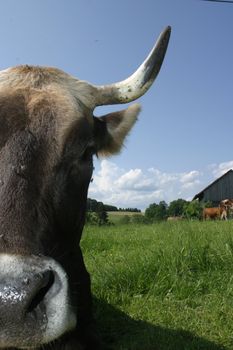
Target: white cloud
[220,169]
[139,188]
[130,179]
[189,177]
[104,179]
[190,180]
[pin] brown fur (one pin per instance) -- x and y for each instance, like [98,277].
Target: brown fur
[226,203]
[112,129]
[213,213]
[47,139]
[67,99]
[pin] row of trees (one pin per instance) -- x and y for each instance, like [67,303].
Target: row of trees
[179,207]
[97,212]
[93,204]
[130,210]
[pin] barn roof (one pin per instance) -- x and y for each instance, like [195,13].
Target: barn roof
[200,194]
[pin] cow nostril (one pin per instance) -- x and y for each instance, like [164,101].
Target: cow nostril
[46,280]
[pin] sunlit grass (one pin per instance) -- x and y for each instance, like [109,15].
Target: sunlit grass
[176,278]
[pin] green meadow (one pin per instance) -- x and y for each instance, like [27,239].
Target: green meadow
[166,286]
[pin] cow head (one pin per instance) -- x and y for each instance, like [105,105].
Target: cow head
[48,136]
[227,204]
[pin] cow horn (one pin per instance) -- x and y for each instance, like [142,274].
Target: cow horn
[139,82]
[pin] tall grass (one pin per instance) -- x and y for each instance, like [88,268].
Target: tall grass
[174,277]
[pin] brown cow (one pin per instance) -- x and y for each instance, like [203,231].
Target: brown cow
[48,137]
[175,218]
[214,213]
[227,203]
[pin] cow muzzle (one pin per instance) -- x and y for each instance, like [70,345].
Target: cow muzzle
[34,301]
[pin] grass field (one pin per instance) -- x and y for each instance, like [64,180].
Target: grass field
[165,286]
[115,217]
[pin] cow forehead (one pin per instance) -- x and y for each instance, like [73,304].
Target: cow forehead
[33,76]
[42,78]
[41,97]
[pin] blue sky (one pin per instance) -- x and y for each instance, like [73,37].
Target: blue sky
[183,139]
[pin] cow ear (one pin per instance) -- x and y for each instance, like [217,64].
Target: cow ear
[111,130]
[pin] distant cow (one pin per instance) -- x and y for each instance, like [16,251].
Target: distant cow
[214,213]
[48,136]
[175,218]
[227,203]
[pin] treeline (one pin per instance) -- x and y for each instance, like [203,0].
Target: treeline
[176,208]
[130,210]
[97,212]
[93,205]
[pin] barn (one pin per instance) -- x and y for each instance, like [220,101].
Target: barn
[218,190]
